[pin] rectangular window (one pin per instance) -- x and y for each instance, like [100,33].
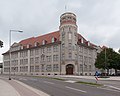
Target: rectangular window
[63,46]
[70,46]
[70,36]
[31,60]
[48,49]
[55,67]
[36,51]
[36,68]
[48,68]
[55,48]
[48,58]
[42,67]
[31,68]
[70,55]
[36,60]
[55,58]
[32,52]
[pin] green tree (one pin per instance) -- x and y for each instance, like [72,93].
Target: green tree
[1,44]
[108,59]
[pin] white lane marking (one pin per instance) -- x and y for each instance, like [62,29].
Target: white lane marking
[109,89]
[48,82]
[112,87]
[75,89]
[70,81]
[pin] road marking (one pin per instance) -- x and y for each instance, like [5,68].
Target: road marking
[48,82]
[112,87]
[70,81]
[108,89]
[75,89]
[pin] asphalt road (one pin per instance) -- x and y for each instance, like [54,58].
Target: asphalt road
[62,88]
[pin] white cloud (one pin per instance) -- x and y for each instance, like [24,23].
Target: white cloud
[98,20]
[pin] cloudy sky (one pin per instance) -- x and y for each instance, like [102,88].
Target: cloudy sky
[98,20]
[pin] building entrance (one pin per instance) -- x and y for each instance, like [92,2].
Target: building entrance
[69,69]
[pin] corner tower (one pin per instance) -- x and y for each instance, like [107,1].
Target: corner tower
[68,38]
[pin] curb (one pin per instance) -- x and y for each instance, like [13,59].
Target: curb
[41,93]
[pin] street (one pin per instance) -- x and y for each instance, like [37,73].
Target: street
[63,88]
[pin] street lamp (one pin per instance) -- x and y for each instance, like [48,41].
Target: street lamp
[10,49]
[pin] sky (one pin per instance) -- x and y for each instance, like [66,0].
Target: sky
[98,20]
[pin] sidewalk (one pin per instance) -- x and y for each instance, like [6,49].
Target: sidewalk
[115,78]
[7,90]
[17,88]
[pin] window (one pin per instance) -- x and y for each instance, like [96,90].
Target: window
[63,37]
[90,68]
[49,68]
[63,56]
[70,55]
[53,39]
[82,40]
[75,46]
[42,50]
[36,68]
[81,49]
[75,56]
[42,58]
[31,60]
[70,36]
[36,51]
[55,48]
[55,57]
[42,68]
[55,67]
[70,46]
[32,52]
[36,60]
[81,58]
[85,67]
[31,68]
[48,58]
[43,42]
[63,46]
[49,49]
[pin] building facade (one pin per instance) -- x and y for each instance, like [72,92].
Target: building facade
[63,52]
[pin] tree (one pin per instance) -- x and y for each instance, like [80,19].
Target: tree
[119,50]
[1,44]
[108,59]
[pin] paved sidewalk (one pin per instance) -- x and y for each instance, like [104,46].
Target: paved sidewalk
[116,78]
[17,88]
[7,90]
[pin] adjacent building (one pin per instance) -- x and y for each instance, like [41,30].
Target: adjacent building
[63,52]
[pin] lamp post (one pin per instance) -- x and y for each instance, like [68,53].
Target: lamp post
[10,49]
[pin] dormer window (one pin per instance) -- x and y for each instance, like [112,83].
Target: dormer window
[53,39]
[43,42]
[82,40]
[21,47]
[36,44]
[28,45]
[88,43]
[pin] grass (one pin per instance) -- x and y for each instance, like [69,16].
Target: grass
[89,83]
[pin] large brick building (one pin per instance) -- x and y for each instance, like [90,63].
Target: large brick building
[61,52]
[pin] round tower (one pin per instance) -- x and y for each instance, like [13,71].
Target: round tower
[68,38]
